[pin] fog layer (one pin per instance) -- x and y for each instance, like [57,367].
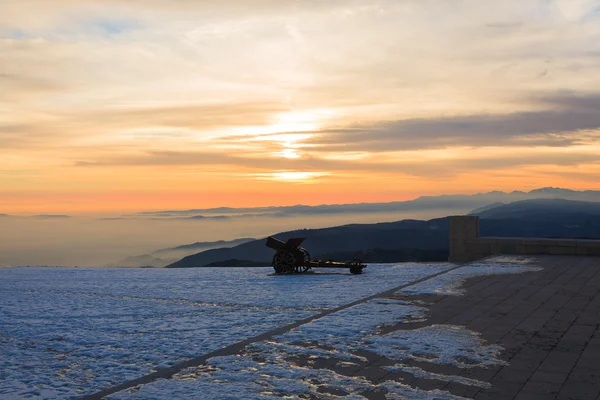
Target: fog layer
[94,241]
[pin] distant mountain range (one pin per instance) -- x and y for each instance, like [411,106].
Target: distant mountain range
[450,203]
[425,240]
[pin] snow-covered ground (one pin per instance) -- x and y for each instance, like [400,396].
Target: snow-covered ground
[450,283]
[65,332]
[69,332]
[267,370]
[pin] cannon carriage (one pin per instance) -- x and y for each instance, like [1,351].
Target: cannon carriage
[290,258]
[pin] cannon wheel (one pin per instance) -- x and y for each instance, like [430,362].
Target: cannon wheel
[304,267]
[284,262]
[356,267]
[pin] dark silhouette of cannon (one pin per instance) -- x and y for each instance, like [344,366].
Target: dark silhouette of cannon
[290,258]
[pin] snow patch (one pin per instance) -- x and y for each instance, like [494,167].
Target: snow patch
[438,344]
[335,336]
[451,282]
[346,327]
[240,377]
[305,350]
[421,373]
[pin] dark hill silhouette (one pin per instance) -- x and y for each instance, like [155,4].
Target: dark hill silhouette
[546,218]
[349,238]
[479,210]
[419,240]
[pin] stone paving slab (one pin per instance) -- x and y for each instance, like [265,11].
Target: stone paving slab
[548,322]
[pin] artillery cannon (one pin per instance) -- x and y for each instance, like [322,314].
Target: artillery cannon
[290,258]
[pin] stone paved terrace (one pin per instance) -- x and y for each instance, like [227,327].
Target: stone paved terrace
[546,322]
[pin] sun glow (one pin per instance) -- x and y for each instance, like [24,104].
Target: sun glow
[291,122]
[293,127]
[296,122]
[288,153]
[291,176]
[287,133]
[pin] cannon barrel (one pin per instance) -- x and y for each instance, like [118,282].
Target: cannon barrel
[277,244]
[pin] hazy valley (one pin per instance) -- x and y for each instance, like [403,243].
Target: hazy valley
[161,238]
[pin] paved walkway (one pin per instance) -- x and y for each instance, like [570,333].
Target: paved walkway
[547,322]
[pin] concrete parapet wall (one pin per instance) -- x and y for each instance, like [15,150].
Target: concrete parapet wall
[466,245]
[464,232]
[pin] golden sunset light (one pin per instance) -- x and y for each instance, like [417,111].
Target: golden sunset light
[174,99]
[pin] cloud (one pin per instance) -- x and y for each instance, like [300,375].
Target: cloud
[566,120]
[123,126]
[393,163]
[37,14]
[18,86]
[195,116]
[572,101]
[94,93]
[559,126]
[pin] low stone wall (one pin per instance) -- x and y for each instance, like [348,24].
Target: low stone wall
[466,245]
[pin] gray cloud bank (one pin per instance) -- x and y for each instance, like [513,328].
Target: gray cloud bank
[557,126]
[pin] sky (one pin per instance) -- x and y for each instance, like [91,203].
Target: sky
[134,105]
